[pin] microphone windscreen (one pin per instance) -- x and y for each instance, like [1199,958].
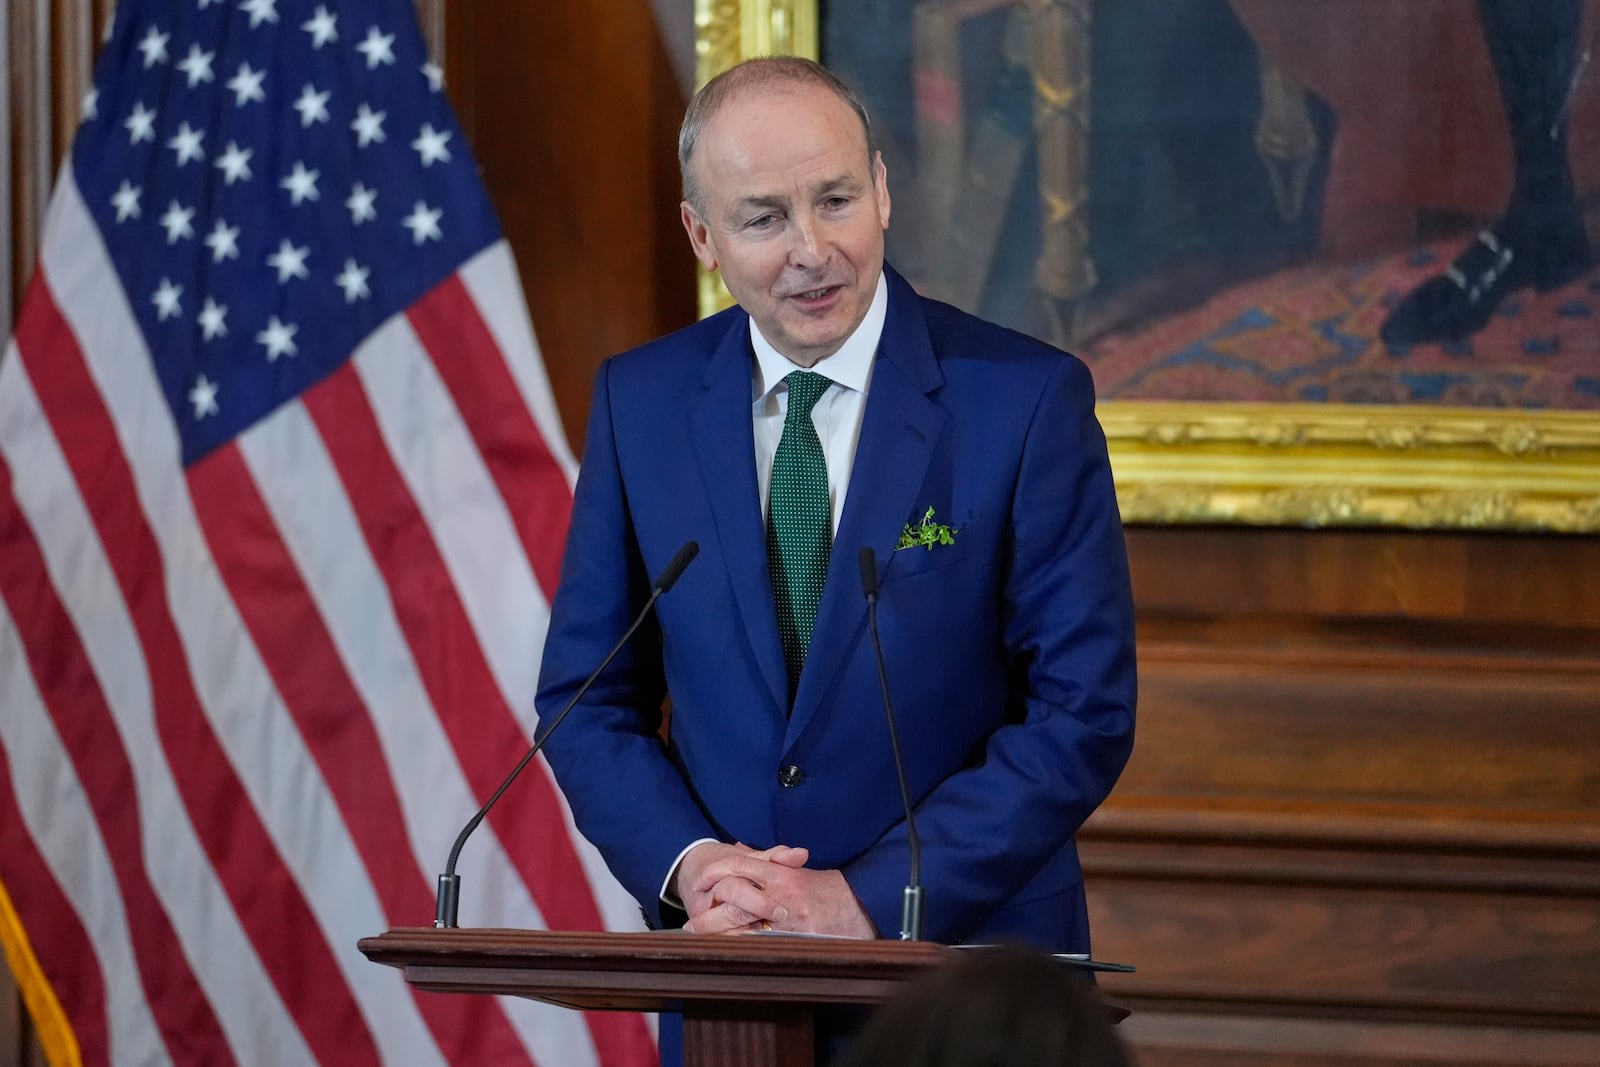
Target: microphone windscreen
[869,571]
[675,566]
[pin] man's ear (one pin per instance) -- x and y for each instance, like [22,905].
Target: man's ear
[699,235]
[880,189]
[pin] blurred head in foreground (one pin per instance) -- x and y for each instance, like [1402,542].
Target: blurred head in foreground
[994,1007]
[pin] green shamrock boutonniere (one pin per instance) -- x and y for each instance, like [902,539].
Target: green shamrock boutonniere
[926,533]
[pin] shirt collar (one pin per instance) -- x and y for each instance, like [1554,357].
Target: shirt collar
[851,366]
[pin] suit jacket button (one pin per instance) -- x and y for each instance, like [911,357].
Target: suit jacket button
[790,776]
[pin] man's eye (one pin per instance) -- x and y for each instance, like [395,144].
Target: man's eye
[834,203]
[761,222]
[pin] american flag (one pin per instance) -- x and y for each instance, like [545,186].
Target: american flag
[283,494]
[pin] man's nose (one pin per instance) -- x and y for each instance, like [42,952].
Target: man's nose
[807,244]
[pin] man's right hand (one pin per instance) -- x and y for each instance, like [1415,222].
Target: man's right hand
[706,914]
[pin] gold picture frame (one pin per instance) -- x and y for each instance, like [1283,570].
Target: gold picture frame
[1280,464]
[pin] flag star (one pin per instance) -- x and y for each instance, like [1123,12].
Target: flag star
[223,240]
[207,3]
[430,145]
[423,222]
[91,105]
[260,11]
[353,280]
[177,222]
[213,320]
[185,144]
[378,48]
[141,124]
[126,201]
[435,75]
[278,338]
[368,125]
[154,47]
[312,105]
[234,163]
[204,397]
[197,65]
[166,300]
[302,184]
[289,261]
[360,204]
[246,85]
[322,27]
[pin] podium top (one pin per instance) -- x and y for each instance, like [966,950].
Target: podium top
[651,971]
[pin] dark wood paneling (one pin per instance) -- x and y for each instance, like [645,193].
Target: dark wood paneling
[1361,824]
[1265,938]
[1515,736]
[1334,574]
[573,109]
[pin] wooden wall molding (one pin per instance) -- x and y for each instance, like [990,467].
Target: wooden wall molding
[1196,1039]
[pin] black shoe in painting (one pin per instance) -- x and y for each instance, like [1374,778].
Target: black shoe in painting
[1456,304]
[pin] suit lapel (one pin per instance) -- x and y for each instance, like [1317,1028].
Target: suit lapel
[725,446]
[899,431]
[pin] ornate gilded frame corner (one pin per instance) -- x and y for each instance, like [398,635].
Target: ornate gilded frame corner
[1278,464]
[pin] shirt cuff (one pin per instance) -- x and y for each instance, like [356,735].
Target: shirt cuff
[667,895]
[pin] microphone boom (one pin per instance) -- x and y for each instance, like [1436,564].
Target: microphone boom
[911,906]
[445,910]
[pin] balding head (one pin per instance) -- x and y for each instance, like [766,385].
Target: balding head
[753,76]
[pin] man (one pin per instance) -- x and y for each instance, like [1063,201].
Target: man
[1006,623]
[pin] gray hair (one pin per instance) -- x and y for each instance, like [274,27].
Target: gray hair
[758,73]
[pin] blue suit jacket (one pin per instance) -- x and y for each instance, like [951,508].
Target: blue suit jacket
[1010,653]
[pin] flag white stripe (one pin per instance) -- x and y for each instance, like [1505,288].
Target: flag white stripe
[56,815]
[252,1016]
[490,278]
[447,478]
[240,700]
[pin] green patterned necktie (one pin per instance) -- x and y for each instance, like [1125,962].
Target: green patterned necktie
[800,522]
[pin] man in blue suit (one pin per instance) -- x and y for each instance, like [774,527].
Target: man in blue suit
[965,455]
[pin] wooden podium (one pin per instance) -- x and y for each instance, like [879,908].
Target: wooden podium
[747,1001]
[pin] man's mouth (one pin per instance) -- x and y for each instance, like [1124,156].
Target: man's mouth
[816,294]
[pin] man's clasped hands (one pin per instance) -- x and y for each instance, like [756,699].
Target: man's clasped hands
[731,889]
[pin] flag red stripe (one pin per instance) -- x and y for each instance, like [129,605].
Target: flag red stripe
[485,735]
[61,944]
[77,706]
[301,656]
[264,892]
[530,480]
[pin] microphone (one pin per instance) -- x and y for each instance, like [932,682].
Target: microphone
[911,906]
[444,915]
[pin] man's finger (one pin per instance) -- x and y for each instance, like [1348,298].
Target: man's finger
[722,919]
[747,867]
[757,904]
[788,855]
